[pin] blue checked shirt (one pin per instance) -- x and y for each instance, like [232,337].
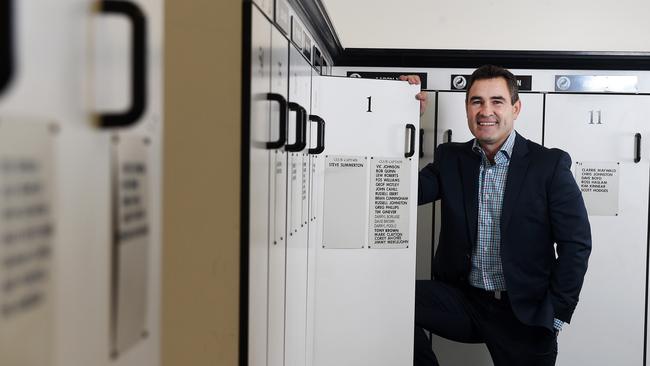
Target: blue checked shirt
[487,272]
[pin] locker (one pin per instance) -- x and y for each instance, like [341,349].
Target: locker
[600,132]
[364,276]
[316,149]
[278,198]
[297,206]
[127,41]
[425,212]
[259,172]
[60,98]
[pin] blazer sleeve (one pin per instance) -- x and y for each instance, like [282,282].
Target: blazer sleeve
[429,180]
[572,234]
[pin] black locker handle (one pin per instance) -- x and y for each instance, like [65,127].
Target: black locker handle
[320,145]
[411,151]
[138,64]
[449,133]
[282,136]
[637,148]
[301,128]
[421,143]
[6,43]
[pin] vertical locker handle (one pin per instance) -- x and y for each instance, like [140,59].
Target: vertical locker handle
[449,133]
[320,146]
[411,150]
[301,128]
[6,43]
[282,136]
[421,143]
[138,64]
[303,115]
[637,148]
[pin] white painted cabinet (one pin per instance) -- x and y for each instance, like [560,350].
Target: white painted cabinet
[259,173]
[278,198]
[612,166]
[87,81]
[425,212]
[297,208]
[365,262]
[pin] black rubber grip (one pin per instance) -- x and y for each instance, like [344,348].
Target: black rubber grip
[6,43]
[138,64]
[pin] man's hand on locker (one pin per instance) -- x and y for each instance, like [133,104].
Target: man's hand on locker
[421,96]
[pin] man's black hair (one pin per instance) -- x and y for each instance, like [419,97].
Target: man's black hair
[491,72]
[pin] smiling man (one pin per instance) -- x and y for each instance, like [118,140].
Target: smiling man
[507,205]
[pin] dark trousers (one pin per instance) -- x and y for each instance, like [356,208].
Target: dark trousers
[472,315]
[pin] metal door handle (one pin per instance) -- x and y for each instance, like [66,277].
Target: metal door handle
[637,148]
[411,150]
[6,43]
[138,64]
[282,136]
[421,143]
[320,145]
[591,117]
[301,128]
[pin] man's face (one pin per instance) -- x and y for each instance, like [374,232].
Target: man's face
[490,113]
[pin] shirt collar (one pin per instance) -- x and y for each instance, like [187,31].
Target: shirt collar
[506,148]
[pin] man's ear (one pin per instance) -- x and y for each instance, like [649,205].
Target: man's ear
[517,108]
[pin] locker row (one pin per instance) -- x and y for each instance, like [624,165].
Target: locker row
[347,161]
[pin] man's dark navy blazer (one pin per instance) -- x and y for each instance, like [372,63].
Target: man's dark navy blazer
[542,205]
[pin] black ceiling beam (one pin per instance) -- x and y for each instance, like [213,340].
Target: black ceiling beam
[578,60]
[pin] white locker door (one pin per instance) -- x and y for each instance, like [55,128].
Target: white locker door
[136,267]
[84,44]
[259,187]
[365,261]
[598,131]
[425,212]
[297,209]
[278,197]
[451,125]
[317,146]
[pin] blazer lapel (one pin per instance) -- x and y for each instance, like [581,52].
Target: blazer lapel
[516,173]
[469,164]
